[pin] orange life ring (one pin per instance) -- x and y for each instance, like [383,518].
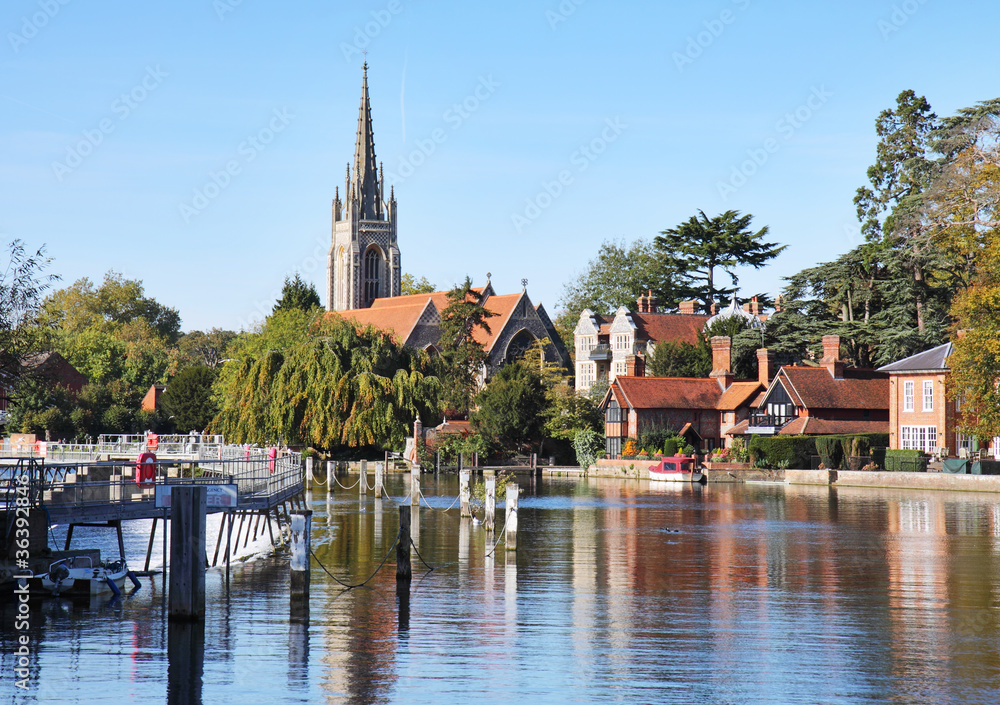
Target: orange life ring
[152,441]
[272,454]
[145,469]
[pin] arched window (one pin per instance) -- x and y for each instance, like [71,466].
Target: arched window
[519,345]
[373,274]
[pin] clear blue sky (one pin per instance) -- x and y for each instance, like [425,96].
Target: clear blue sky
[666,98]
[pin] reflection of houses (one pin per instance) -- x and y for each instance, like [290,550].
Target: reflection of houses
[415,320]
[829,399]
[702,410]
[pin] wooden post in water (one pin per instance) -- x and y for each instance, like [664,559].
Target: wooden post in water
[510,535]
[403,572]
[415,486]
[301,553]
[364,477]
[379,480]
[330,474]
[187,553]
[491,503]
[465,493]
[437,462]
[461,458]
[309,473]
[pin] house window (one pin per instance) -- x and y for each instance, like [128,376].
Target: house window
[928,396]
[966,442]
[918,438]
[907,396]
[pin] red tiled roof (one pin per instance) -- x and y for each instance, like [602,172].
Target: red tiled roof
[739,394]
[669,392]
[815,388]
[739,429]
[396,316]
[810,426]
[503,307]
[674,327]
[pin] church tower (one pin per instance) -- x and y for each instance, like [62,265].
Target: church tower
[364,258]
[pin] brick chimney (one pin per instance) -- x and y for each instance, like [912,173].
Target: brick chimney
[714,308]
[767,368]
[688,308]
[652,303]
[752,307]
[777,304]
[635,366]
[831,356]
[641,306]
[722,360]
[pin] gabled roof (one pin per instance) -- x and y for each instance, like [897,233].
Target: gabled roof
[667,392]
[503,307]
[815,388]
[933,360]
[673,327]
[738,394]
[396,316]
[809,426]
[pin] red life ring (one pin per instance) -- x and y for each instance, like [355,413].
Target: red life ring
[272,454]
[145,469]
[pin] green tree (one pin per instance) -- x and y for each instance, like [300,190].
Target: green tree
[463,354]
[411,285]
[297,294]
[188,398]
[199,348]
[681,359]
[699,246]
[509,409]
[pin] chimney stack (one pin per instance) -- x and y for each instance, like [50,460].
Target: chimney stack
[766,367]
[635,366]
[652,303]
[688,308]
[722,360]
[714,308]
[831,356]
[752,307]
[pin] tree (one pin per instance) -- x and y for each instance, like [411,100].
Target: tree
[22,285]
[509,409]
[188,398]
[463,355]
[412,285]
[198,348]
[681,359]
[297,294]
[700,245]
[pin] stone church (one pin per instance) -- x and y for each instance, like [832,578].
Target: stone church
[363,272]
[363,264]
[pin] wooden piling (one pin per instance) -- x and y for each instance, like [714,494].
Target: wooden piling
[403,571]
[364,477]
[379,480]
[510,534]
[415,487]
[187,553]
[299,565]
[330,474]
[437,462]
[465,493]
[491,503]
[149,547]
[309,473]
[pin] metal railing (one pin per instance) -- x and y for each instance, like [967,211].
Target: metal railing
[763,420]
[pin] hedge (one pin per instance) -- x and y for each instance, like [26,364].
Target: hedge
[905,461]
[789,451]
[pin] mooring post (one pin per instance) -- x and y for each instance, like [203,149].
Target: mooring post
[301,552]
[363,484]
[510,535]
[403,545]
[379,480]
[329,476]
[386,461]
[187,552]
[437,462]
[491,503]
[461,458]
[309,473]
[415,486]
[465,493]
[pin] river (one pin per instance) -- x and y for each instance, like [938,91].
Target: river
[620,591]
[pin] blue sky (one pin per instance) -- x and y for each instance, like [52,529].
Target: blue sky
[518,135]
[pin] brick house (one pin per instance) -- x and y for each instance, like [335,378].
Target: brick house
[702,410]
[824,400]
[50,366]
[920,415]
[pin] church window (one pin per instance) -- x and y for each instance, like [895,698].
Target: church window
[373,271]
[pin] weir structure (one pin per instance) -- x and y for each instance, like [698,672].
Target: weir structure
[103,485]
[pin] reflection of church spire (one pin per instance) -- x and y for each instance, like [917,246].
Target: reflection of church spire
[365,188]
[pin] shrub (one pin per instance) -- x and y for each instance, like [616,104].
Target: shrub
[905,461]
[830,451]
[786,451]
[588,445]
[655,437]
[629,450]
[670,447]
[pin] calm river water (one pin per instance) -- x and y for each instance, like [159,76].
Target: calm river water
[620,592]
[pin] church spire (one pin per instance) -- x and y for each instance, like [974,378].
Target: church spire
[365,186]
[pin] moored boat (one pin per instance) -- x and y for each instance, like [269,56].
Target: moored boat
[79,576]
[679,468]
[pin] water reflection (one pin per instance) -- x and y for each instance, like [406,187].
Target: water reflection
[186,661]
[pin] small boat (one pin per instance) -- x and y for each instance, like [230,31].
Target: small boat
[79,576]
[679,468]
